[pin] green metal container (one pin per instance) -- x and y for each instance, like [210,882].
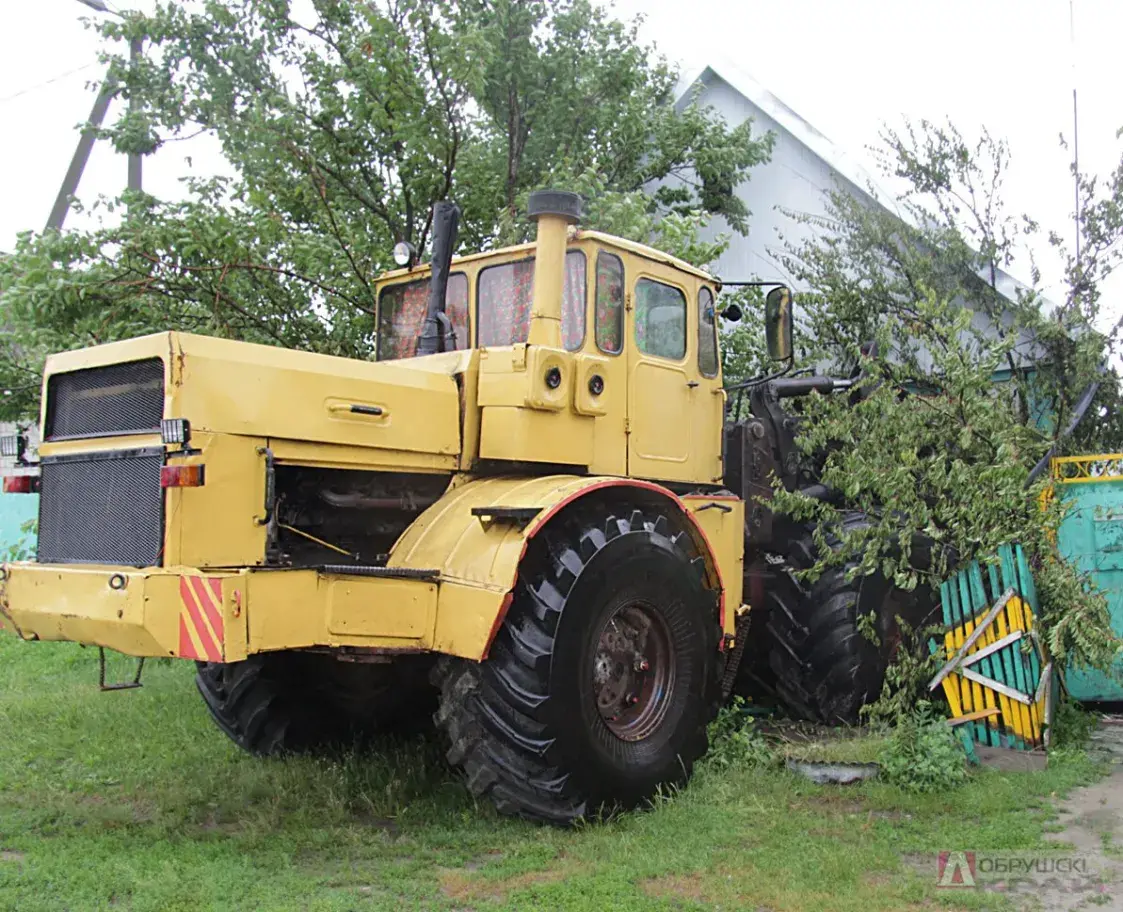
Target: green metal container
[1091,537]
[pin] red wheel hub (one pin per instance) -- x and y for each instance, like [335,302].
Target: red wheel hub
[633,671]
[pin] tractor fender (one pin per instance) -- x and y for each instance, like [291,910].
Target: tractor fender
[476,535]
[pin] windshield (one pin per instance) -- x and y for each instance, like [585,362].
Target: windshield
[401,313]
[504,295]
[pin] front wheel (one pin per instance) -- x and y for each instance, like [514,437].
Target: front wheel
[825,668]
[601,680]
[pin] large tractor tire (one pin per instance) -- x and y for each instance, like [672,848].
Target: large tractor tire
[824,669]
[300,702]
[602,678]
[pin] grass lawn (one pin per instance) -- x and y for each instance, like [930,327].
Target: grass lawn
[135,800]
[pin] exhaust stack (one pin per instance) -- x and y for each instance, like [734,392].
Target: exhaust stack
[554,211]
[437,334]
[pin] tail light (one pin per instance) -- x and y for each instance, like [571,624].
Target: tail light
[185,476]
[21,484]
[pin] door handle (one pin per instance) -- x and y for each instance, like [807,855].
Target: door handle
[692,383]
[354,408]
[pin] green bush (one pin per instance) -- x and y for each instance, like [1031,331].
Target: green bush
[735,741]
[1072,726]
[923,754]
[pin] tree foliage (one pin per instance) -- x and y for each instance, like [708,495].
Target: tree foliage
[343,122]
[973,376]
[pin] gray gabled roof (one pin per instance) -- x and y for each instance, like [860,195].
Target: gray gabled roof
[843,163]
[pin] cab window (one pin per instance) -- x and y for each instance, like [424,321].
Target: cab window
[707,334]
[660,319]
[504,294]
[401,314]
[608,312]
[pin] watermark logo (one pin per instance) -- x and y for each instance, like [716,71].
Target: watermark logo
[955,869]
[971,869]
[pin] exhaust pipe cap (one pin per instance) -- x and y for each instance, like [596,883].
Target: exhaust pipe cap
[562,203]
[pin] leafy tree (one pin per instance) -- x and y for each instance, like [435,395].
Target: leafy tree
[342,128]
[928,443]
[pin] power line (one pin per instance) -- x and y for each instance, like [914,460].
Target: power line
[51,81]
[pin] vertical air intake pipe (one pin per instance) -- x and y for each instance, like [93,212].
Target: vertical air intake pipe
[555,211]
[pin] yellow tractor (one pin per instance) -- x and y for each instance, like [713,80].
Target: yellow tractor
[526,516]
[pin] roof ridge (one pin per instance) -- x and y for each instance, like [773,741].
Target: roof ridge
[838,159]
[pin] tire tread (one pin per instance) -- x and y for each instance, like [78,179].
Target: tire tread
[491,713]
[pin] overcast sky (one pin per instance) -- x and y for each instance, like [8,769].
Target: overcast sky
[846,66]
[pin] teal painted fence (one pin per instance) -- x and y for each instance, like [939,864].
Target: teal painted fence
[988,613]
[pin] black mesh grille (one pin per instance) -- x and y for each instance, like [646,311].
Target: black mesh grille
[100,401]
[102,508]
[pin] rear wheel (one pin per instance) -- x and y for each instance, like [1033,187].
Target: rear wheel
[824,669]
[299,702]
[601,680]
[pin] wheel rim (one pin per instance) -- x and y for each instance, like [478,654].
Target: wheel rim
[634,671]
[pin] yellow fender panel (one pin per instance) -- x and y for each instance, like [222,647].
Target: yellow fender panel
[472,535]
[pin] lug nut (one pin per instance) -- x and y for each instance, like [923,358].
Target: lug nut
[641,664]
[631,700]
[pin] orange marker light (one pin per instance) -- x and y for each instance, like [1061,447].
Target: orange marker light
[187,476]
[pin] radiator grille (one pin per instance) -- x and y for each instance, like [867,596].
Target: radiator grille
[102,401]
[102,508]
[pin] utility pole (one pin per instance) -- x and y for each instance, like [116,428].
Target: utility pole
[1075,138]
[81,156]
[86,140]
[136,160]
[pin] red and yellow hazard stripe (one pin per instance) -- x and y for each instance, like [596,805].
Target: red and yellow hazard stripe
[200,620]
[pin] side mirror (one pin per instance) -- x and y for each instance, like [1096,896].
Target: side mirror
[778,323]
[732,313]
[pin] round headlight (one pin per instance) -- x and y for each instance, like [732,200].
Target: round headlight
[403,253]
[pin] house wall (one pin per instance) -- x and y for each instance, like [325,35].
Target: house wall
[795,180]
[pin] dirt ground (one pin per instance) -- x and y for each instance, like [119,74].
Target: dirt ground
[1092,820]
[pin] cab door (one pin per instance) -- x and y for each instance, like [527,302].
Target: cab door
[661,381]
[708,406]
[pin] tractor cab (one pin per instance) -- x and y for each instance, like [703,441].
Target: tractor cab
[614,338]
